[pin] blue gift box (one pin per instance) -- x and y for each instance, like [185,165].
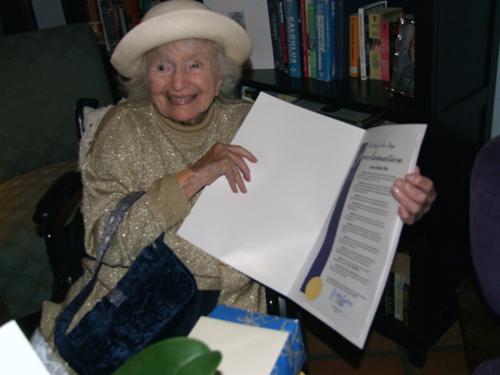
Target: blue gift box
[293,354]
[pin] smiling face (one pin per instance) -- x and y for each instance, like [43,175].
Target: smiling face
[184,80]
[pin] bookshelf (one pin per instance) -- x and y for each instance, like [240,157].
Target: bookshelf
[455,76]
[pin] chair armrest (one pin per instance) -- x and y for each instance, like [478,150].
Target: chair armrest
[80,104]
[57,197]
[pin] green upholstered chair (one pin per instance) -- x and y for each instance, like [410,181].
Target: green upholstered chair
[42,75]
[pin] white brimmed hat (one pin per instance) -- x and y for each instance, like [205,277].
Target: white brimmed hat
[176,20]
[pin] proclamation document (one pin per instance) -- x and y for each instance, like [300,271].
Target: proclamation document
[319,223]
[345,276]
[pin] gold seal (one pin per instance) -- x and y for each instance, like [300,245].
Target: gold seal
[313,288]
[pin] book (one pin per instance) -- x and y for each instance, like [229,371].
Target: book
[385,14]
[311,44]
[379,50]
[343,10]
[353,46]
[109,28]
[387,302]
[283,35]
[318,224]
[385,59]
[304,39]
[275,25]
[406,303]
[364,40]
[134,12]
[375,59]
[325,40]
[120,17]
[92,11]
[393,42]
[401,277]
[293,38]
[146,6]
[389,35]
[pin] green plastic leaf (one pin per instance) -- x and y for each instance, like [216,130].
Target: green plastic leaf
[174,356]
[201,365]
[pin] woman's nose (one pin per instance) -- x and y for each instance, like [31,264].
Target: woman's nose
[179,79]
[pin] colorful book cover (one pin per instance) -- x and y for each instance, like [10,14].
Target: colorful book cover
[385,68]
[386,14]
[393,40]
[401,277]
[388,298]
[325,40]
[293,38]
[379,50]
[134,12]
[375,59]
[406,304]
[353,46]
[364,40]
[311,30]
[304,39]
[275,24]
[283,35]
[343,9]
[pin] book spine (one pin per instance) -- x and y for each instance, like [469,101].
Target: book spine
[406,304]
[385,59]
[341,39]
[146,5]
[364,40]
[353,46]
[325,35]
[108,25]
[275,24]
[375,60]
[375,46]
[388,299]
[116,19]
[376,18]
[401,277]
[398,296]
[304,40]
[134,12]
[92,11]
[393,40]
[283,35]
[121,17]
[293,38]
[311,31]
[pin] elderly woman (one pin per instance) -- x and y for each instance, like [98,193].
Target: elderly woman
[170,140]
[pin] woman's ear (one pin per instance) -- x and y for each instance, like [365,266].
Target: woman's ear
[218,85]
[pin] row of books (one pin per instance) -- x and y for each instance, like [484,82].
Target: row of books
[334,39]
[395,302]
[112,19]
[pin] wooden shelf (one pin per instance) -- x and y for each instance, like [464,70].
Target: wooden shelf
[365,96]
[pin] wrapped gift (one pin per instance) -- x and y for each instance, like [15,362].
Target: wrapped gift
[252,343]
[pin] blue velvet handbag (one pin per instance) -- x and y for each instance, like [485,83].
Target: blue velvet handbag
[156,299]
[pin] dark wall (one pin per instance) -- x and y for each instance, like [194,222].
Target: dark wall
[17,16]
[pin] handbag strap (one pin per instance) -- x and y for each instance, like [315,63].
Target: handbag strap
[111,227]
[114,220]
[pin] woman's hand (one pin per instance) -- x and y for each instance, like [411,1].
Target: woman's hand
[416,194]
[221,160]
